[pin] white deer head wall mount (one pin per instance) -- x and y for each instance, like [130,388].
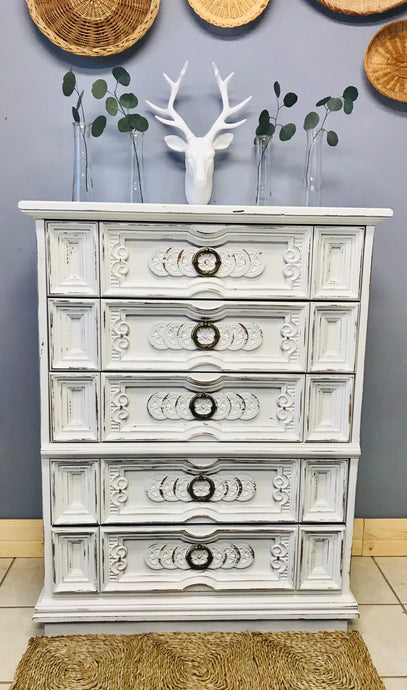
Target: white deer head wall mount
[199,151]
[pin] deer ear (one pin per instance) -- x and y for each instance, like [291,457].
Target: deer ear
[175,143]
[223,141]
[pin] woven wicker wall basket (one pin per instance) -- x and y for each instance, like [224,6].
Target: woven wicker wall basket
[361,7]
[228,13]
[386,61]
[93,27]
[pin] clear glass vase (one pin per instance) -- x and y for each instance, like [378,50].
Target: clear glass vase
[82,186]
[312,184]
[136,186]
[263,169]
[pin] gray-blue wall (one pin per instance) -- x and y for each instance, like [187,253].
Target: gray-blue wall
[311,51]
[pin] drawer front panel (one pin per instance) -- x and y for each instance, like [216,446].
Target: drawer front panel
[205,260]
[337,268]
[72,258]
[324,488]
[74,407]
[74,492]
[75,560]
[223,559]
[225,490]
[178,408]
[329,413]
[242,336]
[333,337]
[321,558]
[74,334]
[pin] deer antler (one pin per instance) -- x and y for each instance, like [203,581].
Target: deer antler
[169,112]
[227,109]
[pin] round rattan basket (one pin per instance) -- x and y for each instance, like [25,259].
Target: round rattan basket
[228,13]
[386,60]
[361,7]
[93,27]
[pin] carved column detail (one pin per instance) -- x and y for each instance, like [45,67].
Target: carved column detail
[280,555]
[282,488]
[119,333]
[231,406]
[285,405]
[176,335]
[235,263]
[118,489]
[292,258]
[119,256]
[175,556]
[176,488]
[119,404]
[289,334]
[117,558]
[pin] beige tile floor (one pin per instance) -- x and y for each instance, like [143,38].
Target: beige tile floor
[379,584]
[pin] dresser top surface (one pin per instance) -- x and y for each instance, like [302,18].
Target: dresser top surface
[175,213]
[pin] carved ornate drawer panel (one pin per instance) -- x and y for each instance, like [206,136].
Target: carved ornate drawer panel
[174,559]
[225,261]
[208,335]
[201,376]
[178,407]
[223,490]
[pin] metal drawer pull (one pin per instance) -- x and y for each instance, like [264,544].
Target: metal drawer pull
[203,401]
[199,557]
[204,343]
[205,486]
[206,261]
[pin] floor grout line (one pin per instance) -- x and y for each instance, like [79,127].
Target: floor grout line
[390,585]
[7,571]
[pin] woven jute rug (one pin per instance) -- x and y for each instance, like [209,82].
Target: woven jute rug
[198,661]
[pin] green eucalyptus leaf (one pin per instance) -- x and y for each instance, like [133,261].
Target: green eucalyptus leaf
[111,105]
[287,132]
[128,100]
[323,101]
[264,117]
[332,138]
[75,114]
[121,75]
[98,125]
[99,88]
[270,129]
[311,121]
[290,99]
[347,106]
[123,124]
[138,122]
[68,83]
[334,104]
[351,93]
[277,88]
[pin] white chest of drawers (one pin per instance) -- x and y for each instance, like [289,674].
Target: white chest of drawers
[201,387]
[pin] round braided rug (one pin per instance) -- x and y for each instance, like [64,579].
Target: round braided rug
[198,661]
[93,27]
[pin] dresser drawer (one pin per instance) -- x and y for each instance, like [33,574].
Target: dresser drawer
[227,261]
[337,262]
[73,258]
[75,405]
[235,336]
[334,332]
[230,490]
[74,334]
[172,559]
[244,407]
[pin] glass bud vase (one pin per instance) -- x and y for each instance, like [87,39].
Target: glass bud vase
[82,187]
[311,190]
[263,169]
[136,186]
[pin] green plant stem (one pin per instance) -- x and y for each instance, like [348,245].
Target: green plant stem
[83,135]
[138,167]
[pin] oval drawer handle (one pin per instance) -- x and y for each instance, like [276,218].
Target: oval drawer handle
[210,488]
[206,261]
[199,398]
[199,557]
[205,326]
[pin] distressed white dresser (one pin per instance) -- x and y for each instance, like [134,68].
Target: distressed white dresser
[201,389]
